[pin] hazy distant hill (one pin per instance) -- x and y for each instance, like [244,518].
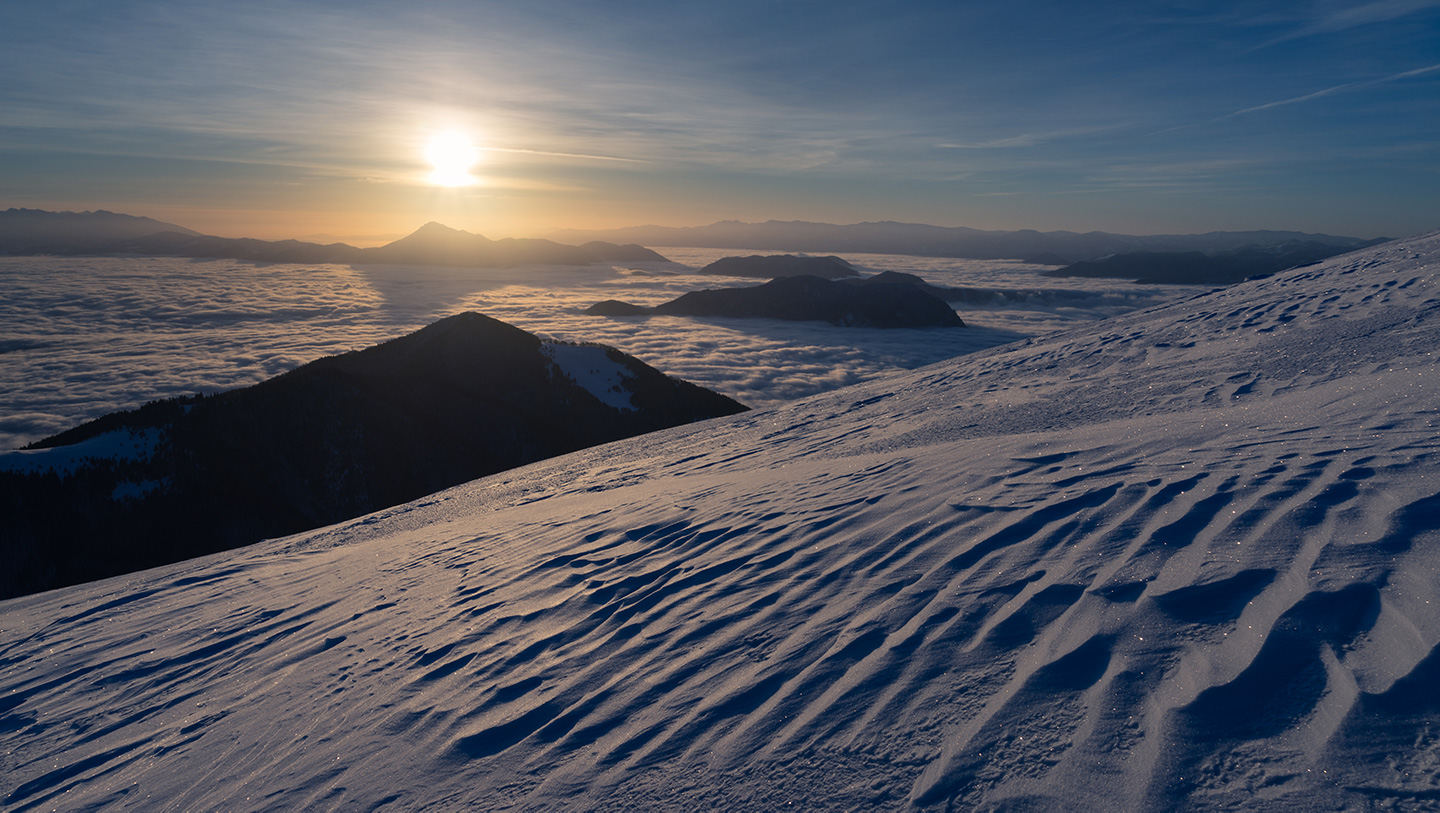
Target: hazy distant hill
[1196,267]
[336,438]
[30,231]
[436,244]
[25,230]
[1054,248]
[173,244]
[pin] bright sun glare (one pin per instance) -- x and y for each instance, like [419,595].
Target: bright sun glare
[451,155]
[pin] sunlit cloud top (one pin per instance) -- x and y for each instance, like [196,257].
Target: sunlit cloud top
[583,114]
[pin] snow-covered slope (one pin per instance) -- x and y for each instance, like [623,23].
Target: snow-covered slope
[1186,558]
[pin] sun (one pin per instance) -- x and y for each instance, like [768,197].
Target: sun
[451,155]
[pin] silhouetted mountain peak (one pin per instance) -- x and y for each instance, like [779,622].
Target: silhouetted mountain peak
[899,277]
[846,303]
[335,438]
[630,252]
[457,349]
[467,323]
[438,235]
[438,244]
[454,332]
[437,229]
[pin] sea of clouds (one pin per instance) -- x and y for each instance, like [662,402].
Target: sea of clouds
[82,337]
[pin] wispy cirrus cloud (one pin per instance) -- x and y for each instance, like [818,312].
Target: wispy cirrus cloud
[1022,140]
[1348,17]
[1330,91]
[1033,139]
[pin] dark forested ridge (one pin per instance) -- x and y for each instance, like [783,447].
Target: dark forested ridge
[336,438]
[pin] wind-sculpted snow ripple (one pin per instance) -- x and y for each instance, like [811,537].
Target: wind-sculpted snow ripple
[990,584]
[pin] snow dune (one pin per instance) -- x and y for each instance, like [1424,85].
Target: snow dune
[1186,558]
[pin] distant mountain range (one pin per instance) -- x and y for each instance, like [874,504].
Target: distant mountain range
[31,232]
[336,438]
[1156,258]
[35,231]
[1195,267]
[1052,248]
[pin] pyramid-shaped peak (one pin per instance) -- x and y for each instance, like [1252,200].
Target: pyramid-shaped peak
[436,232]
[451,338]
[470,323]
[436,242]
[436,227]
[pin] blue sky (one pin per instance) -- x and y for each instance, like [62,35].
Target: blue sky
[277,119]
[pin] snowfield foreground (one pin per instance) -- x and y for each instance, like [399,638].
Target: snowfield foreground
[1185,558]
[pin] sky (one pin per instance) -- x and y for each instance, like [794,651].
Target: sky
[311,120]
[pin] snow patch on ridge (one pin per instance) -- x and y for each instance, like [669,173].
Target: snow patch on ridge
[120,444]
[591,367]
[135,490]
